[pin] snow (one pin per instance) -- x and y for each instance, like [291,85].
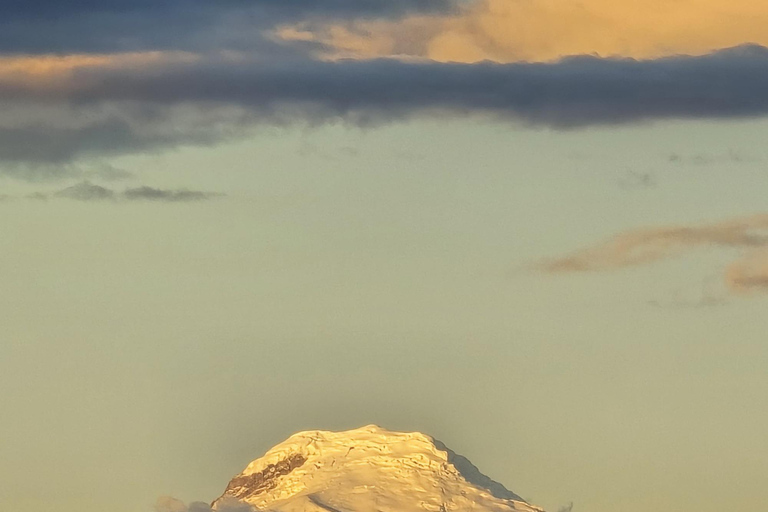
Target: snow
[369,469]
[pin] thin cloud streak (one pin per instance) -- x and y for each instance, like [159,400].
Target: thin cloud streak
[167,196]
[643,246]
[86,191]
[704,159]
[747,274]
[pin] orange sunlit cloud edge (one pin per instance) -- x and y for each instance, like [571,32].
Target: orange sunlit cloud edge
[543,30]
[746,274]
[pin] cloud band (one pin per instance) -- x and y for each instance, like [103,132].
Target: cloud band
[122,106]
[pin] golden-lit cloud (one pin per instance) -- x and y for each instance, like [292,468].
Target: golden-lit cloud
[44,69]
[649,245]
[749,273]
[542,30]
[65,74]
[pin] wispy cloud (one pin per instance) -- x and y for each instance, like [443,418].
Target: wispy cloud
[37,196]
[652,244]
[636,180]
[707,294]
[730,156]
[703,302]
[88,192]
[47,171]
[749,273]
[162,195]
[169,504]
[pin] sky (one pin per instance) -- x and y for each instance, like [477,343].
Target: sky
[535,230]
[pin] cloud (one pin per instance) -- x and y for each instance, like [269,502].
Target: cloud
[634,180]
[37,196]
[51,171]
[107,172]
[703,302]
[653,244]
[541,30]
[199,506]
[34,149]
[131,104]
[56,27]
[31,10]
[706,294]
[731,156]
[747,274]
[169,504]
[171,196]
[86,191]
[444,30]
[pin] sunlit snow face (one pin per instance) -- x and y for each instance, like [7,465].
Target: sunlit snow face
[368,469]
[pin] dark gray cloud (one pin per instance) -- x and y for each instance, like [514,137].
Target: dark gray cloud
[170,196]
[55,9]
[123,108]
[33,149]
[573,92]
[51,26]
[87,192]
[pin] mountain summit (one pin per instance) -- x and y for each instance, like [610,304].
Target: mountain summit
[369,469]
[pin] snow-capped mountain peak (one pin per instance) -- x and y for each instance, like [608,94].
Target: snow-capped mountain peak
[369,469]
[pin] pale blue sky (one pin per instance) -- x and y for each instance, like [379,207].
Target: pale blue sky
[387,276]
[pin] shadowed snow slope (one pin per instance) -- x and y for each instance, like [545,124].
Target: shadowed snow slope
[367,470]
